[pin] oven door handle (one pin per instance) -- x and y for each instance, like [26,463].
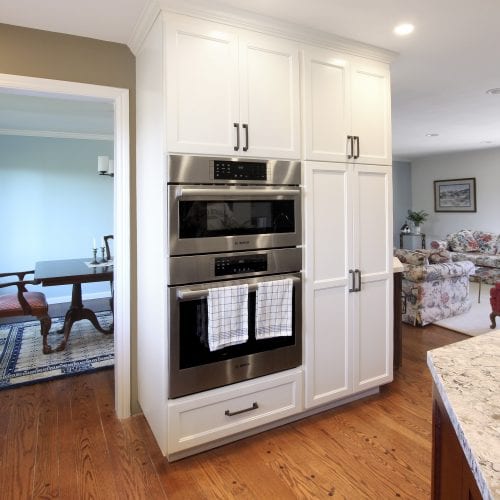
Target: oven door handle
[188,294]
[185,192]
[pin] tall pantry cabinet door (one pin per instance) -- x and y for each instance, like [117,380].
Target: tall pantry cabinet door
[372,305]
[327,329]
[326,104]
[201,86]
[371,111]
[269,96]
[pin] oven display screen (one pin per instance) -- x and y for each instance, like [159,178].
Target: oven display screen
[206,219]
[240,265]
[233,170]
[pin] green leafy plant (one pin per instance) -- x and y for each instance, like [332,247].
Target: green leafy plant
[417,217]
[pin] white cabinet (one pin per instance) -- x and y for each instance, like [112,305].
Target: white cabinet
[202,418]
[230,91]
[348,345]
[347,108]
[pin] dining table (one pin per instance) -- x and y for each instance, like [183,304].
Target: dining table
[74,272]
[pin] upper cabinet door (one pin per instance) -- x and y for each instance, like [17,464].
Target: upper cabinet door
[327,109]
[202,86]
[371,116]
[269,96]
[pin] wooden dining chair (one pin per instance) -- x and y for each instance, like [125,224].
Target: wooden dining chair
[110,257]
[26,303]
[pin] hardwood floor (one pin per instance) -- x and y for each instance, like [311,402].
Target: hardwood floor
[60,439]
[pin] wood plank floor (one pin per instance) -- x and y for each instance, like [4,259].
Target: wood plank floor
[60,439]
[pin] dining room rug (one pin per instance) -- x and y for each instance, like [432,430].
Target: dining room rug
[23,362]
[475,321]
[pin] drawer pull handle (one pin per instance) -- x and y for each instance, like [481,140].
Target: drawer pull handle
[233,413]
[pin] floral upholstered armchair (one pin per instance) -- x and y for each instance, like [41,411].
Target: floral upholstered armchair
[433,287]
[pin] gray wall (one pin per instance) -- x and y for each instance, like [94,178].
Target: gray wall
[484,166]
[53,203]
[402,195]
[44,54]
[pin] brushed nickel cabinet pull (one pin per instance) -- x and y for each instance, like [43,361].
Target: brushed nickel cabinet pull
[356,139]
[350,146]
[233,413]
[245,126]
[237,127]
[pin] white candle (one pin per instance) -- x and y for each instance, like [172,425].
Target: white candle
[94,245]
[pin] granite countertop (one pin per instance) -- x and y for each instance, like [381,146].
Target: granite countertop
[467,377]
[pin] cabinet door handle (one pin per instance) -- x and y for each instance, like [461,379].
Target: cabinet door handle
[237,127]
[238,412]
[351,279]
[349,145]
[356,139]
[357,273]
[245,147]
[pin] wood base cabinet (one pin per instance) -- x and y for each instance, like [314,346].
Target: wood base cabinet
[451,474]
[348,280]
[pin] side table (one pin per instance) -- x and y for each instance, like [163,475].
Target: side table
[421,235]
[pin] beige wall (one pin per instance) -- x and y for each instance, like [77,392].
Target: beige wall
[44,54]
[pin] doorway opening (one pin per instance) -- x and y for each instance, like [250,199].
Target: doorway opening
[116,99]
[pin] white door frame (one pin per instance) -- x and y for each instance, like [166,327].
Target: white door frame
[121,223]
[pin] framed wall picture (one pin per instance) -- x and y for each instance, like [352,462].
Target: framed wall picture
[455,195]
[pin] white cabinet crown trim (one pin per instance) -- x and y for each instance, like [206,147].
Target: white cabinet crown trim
[212,11]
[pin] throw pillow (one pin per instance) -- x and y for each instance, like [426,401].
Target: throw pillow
[412,257]
[462,241]
[439,245]
[487,242]
[439,256]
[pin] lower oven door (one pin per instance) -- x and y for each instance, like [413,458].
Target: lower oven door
[194,368]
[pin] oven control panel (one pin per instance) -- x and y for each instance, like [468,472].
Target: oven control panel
[240,265]
[240,171]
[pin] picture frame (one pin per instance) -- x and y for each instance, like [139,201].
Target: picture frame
[455,195]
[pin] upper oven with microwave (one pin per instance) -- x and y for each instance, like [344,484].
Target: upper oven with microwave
[227,205]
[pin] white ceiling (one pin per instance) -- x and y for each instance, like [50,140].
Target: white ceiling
[39,115]
[438,81]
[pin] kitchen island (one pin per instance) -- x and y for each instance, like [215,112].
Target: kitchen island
[466,418]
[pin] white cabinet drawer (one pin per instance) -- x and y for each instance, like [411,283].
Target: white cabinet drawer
[201,418]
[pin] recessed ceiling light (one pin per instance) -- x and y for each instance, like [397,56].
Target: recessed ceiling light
[404,29]
[493,91]
[431,135]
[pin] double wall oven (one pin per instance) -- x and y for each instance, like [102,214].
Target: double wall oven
[232,222]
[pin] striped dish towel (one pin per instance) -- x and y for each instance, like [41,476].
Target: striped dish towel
[273,311]
[227,316]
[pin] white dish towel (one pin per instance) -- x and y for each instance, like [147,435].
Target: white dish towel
[227,316]
[273,310]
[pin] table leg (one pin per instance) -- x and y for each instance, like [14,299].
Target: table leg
[77,312]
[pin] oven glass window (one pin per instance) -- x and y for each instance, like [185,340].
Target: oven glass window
[193,335]
[206,219]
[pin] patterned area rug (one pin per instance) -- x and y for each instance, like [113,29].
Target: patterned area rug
[22,360]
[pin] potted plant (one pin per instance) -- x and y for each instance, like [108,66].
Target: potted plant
[417,218]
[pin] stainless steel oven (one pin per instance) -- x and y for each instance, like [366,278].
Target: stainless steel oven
[223,205]
[193,367]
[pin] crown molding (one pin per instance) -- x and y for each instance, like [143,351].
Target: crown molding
[147,17]
[57,135]
[212,10]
